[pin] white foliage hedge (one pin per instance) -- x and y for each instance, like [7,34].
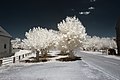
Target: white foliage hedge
[97,43]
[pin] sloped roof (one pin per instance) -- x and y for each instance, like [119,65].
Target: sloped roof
[4,33]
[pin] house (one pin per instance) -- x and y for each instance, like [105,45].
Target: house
[5,43]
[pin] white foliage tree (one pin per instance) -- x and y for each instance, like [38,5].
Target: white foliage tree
[71,34]
[97,43]
[16,43]
[39,39]
[108,43]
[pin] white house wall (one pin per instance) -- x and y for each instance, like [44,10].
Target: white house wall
[5,50]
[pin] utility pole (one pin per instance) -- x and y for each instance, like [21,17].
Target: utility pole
[118,36]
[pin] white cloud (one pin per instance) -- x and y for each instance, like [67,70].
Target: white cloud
[73,9]
[90,8]
[92,0]
[84,13]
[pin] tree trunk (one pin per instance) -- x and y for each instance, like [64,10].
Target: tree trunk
[37,56]
[45,53]
[42,52]
[63,52]
[71,54]
[118,36]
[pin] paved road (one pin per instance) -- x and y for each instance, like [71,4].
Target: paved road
[107,65]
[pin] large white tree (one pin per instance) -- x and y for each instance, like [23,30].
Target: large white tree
[39,39]
[71,34]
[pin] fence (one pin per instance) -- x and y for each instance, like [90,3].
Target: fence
[13,59]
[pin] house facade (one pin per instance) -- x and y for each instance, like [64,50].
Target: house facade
[5,43]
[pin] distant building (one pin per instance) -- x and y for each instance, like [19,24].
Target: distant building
[5,43]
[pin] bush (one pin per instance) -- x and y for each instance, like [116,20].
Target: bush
[63,54]
[69,59]
[33,60]
[111,52]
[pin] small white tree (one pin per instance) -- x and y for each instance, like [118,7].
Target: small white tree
[72,34]
[108,43]
[88,44]
[16,43]
[97,43]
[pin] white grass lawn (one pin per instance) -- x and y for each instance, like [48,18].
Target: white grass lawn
[52,70]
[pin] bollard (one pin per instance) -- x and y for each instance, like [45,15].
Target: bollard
[23,56]
[19,58]
[0,62]
[13,59]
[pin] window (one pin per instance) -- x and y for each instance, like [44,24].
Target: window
[5,46]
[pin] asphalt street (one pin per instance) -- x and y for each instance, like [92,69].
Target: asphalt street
[107,65]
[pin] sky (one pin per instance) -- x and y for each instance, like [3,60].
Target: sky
[99,17]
